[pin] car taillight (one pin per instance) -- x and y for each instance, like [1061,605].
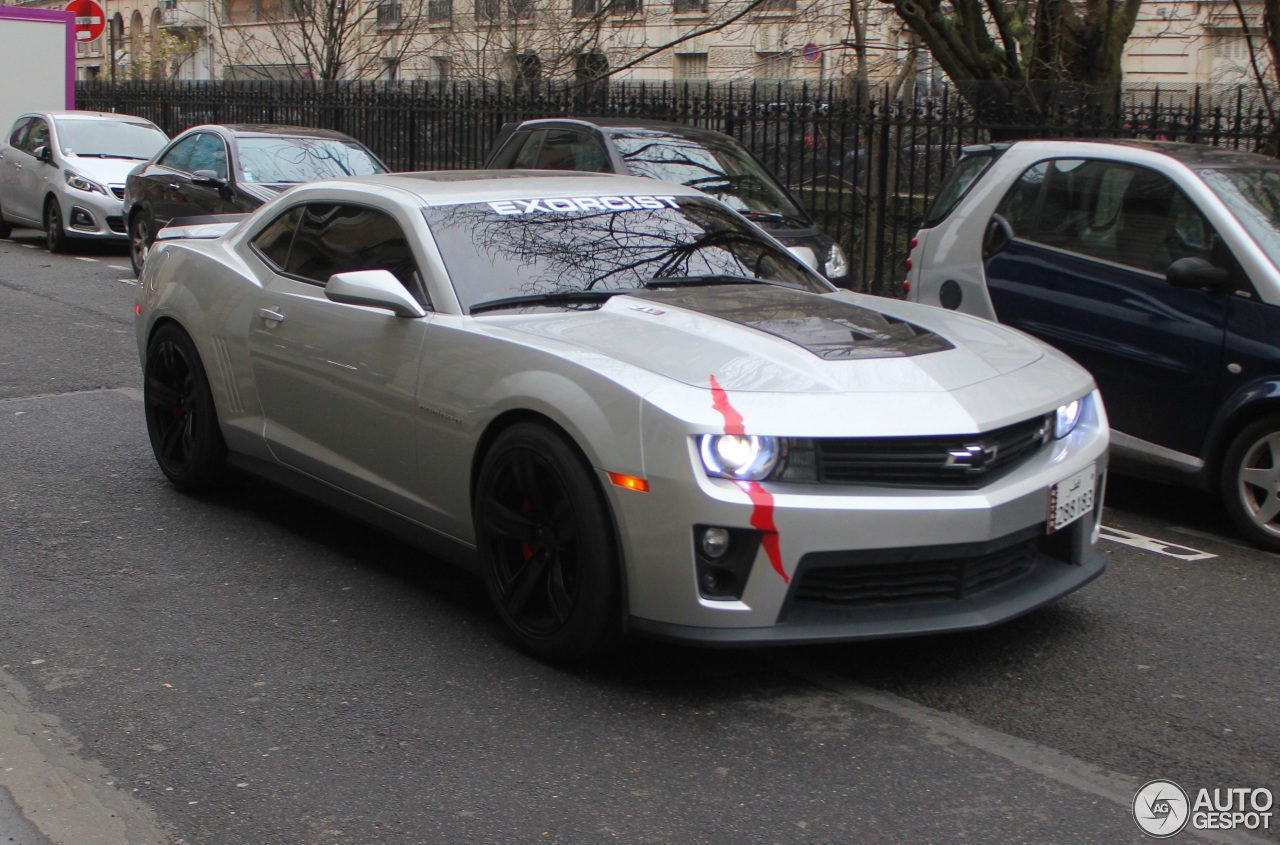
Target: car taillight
[906,286]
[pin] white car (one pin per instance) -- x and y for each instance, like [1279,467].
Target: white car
[627,407]
[64,172]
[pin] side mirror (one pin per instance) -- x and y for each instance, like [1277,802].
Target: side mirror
[207,179]
[997,236]
[374,289]
[44,153]
[806,255]
[1195,272]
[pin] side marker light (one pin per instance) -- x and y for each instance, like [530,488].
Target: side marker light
[629,482]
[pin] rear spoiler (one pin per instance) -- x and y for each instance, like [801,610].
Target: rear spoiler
[209,226]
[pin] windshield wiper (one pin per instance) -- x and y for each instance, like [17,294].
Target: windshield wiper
[703,281]
[574,297]
[111,155]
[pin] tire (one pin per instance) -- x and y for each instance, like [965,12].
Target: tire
[182,422]
[5,229]
[140,239]
[1251,482]
[546,545]
[55,235]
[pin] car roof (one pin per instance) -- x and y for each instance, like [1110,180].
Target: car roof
[87,115]
[624,123]
[452,187]
[249,130]
[1194,156]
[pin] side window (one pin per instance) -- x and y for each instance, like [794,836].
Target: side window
[37,136]
[1111,211]
[566,149]
[510,150]
[209,153]
[19,133]
[1020,205]
[527,158]
[334,238]
[273,242]
[179,155]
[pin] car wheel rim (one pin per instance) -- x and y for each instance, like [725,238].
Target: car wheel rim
[53,226]
[171,402]
[530,519]
[1258,482]
[138,243]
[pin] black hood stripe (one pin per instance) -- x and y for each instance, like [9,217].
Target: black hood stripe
[827,327]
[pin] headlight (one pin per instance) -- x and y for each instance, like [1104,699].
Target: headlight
[1064,421]
[741,457]
[80,183]
[837,263]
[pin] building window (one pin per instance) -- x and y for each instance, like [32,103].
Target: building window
[262,11]
[440,68]
[488,10]
[777,6]
[388,13]
[773,66]
[439,11]
[625,8]
[691,66]
[690,7]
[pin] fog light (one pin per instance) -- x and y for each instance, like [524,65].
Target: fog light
[715,542]
[81,219]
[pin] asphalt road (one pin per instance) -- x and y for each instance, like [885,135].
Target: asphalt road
[251,668]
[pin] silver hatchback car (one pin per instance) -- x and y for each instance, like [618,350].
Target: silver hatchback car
[64,172]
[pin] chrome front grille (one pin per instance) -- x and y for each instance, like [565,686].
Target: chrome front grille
[118,191]
[963,460]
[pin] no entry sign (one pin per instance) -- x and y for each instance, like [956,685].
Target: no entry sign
[90,19]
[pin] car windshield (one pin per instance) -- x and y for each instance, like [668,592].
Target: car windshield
[287,160]
[588,246]
[107,138]
[1253,196]
[716,166]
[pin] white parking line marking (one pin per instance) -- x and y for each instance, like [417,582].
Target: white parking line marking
[133,282]
[119,267]
[1115,787]
[28,246]
[1150,544]
[82,258]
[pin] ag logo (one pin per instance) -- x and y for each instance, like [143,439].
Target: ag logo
[1161,809]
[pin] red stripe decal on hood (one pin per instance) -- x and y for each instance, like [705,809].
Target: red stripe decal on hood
[761,499]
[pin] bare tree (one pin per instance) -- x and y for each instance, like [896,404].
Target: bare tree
[1000,54]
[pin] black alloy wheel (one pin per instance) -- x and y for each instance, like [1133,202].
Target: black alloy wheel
[139,241]
[1251,482]
[547,547]
[182,422]
[55,236]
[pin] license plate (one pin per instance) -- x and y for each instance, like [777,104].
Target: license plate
[1071,499]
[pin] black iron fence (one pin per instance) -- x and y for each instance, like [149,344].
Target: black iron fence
[865,166]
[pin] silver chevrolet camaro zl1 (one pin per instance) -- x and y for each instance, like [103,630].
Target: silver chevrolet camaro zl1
[626,407]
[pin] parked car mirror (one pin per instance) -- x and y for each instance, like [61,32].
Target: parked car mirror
[207,179]
[1195,272]
[44,153]
[375,289]
[998,235]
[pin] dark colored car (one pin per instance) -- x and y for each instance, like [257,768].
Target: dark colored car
[1156,265]
[230,169]
[710,161]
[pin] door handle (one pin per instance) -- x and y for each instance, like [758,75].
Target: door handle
[271,315]
[174,186]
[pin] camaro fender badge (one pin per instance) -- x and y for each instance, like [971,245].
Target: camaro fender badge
[761,499]
[450,417]
[648,309]
[572,205]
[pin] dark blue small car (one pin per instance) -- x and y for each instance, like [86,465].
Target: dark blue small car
[1152,264]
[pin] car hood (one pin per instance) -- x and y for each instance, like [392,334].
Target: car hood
[107,171]
[774,339]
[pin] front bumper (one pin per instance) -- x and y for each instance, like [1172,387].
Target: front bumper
[860,561]
[88,214]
